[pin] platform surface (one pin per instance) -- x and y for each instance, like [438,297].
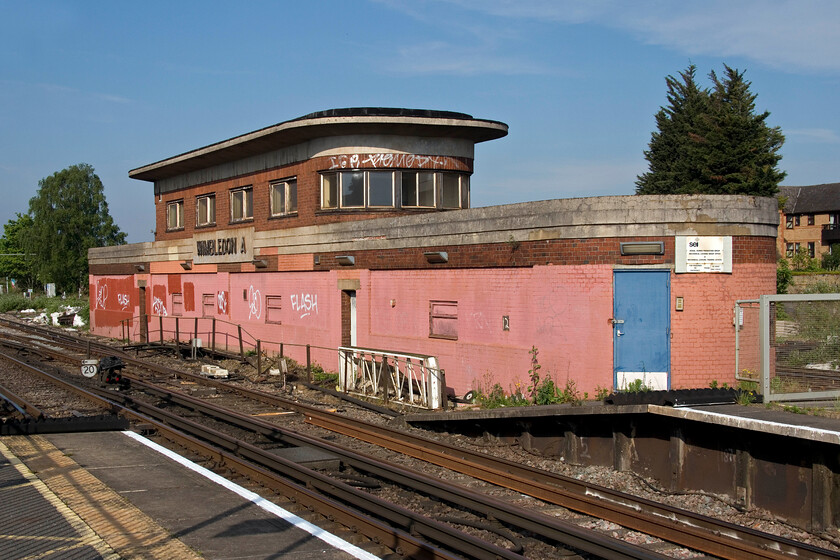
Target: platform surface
[108,495]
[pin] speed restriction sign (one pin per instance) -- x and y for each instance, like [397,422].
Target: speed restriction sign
[90,368]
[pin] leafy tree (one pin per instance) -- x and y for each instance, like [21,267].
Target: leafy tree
[15,263]
[69,216]
[711,141]
[831,261]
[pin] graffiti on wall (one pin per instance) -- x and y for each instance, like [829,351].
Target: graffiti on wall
[159,307]
[254,303]
[409,161]
[305,304]
[101,295]
[123,300]
[222,303]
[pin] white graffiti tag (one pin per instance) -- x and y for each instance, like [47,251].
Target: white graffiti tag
[101,296]
[158,307]
[391,160]
[221,302]
[305,304]
[123,300]
[254,303]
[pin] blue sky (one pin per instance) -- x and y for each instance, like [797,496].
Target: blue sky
[122,84]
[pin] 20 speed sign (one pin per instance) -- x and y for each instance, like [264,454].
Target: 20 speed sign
[90,368]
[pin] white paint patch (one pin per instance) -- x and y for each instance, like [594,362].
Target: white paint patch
[259,501]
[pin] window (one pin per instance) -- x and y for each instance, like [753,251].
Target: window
[177,304]
[175,215]
[796,220]
[381,188]
[329,190]
[810,219]
[418,189]
[272,309]
[812,249]
[205,210]
[451,190]
[283,197]
[443,319]
[208,305]
[789,222]
[378,189]
[789,249]
[352,189]
[241,204]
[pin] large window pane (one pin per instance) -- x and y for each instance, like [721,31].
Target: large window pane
[409,188]
[291,196]
[451,195]
[205,213]
[425,189]
[329,190]
[381,188]
[241,204]
[277,194]
[352,189]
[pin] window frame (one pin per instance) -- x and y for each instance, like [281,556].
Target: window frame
[810,219]
[179,213]
[212,305]
[247,204]
[288,189]
[273,303]
[210,210]
[812,249]
[177,304]
[436,313]
[789,250]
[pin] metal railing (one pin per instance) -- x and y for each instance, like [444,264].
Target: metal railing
[410,379]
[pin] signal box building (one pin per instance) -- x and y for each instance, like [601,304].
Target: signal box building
[354,227]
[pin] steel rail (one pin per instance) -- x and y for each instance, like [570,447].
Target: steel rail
[410,521]
[603,546]
[673,524]
[24,407]
[377,531]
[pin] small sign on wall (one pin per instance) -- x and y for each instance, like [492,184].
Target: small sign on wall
[703,254]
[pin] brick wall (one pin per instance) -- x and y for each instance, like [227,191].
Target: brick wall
[309,200]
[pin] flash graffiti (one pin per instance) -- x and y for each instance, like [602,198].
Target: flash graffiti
[221,302]
[123,300]
[254,303]
[305,304]
[158,307]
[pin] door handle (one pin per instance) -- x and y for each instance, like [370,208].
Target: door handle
[618,333]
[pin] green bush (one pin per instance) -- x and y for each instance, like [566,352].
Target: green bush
[784,276]
[16,302]
[831,261]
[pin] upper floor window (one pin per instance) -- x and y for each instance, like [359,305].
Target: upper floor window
[205,210]
[283,197]
[389,189]
[796,220]
[241,204]
[810,219]
[175,215]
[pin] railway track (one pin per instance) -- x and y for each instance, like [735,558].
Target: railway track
[687,529]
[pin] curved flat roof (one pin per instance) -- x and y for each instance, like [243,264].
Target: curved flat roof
[332,122]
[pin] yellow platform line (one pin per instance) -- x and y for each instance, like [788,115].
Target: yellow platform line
[90,506]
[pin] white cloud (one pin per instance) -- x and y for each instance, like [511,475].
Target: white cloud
[819,135]
[792,35]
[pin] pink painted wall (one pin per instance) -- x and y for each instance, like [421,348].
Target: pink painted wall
[563,311]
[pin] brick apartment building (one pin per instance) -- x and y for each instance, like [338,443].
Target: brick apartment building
[810,219]
[353,227]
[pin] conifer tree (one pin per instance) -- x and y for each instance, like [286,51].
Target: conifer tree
[711,141]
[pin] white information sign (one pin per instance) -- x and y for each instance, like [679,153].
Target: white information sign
[703,254]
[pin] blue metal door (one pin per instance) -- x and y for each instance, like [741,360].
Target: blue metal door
[642,328]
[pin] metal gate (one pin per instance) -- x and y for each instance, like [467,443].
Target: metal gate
[799,344]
